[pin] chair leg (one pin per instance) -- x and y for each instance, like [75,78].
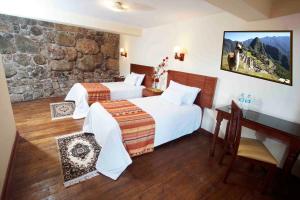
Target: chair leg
[251,167]
[225,151]
[222,157]
[268,179]
[229,169]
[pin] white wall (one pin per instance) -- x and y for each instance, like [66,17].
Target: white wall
[7,127]
[203,40]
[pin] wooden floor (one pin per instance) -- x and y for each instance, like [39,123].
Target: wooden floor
[177,170]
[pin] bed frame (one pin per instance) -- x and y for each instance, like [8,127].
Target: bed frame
[207,85]
[143,69]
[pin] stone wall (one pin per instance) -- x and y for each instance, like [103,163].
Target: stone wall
[43,59]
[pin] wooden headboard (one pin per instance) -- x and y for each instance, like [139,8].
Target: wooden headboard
[142,69]
[207,85]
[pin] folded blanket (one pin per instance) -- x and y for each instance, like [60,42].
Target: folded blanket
[96,92]
[137,126]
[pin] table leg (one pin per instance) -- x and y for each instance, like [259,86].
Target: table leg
[290,160]
[227,130]
[216,133]
[293,153]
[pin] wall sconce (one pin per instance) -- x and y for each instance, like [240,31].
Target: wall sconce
[123,52]
[179,53]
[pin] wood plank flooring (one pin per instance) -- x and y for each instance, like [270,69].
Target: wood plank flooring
[177,170]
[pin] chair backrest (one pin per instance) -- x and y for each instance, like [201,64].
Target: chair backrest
[234,132]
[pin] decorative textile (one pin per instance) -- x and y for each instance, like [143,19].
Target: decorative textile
[137,126]
[62,110]
[96,92]
[78,155]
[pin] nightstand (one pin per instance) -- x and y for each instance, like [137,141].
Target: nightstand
[148,92]
[119,78]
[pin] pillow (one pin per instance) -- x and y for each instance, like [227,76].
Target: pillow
[190,92]
[130,79]
[140,78]
[173,96]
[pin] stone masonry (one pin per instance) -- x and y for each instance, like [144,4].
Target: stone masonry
[43,59]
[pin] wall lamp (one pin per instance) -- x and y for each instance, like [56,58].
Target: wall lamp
[123,52]
[179,53]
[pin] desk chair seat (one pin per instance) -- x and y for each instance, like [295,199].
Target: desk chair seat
[256,150]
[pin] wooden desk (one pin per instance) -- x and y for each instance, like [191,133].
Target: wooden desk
[272,127]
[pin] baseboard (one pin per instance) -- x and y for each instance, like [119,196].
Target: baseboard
[9,171]
[203,131]
[210,134]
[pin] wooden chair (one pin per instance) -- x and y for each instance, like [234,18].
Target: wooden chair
[248,149]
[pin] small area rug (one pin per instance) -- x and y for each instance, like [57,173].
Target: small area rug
[78,154]
[62,110]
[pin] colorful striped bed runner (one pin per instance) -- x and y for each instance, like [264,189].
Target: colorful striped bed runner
[96,92]
[137,126]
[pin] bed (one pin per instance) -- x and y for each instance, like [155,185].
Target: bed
[117,90]
[171,122]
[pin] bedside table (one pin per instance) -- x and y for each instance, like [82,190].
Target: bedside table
[148,92]
[119,78]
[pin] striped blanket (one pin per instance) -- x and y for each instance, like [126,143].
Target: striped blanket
[96,92]
[137,126]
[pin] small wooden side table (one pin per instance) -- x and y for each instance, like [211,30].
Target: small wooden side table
[119,78]
[148,92]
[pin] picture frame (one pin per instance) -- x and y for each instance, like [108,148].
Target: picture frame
[264,54]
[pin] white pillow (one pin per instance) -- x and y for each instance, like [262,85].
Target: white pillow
[190,92]
[140,78]
[173,96]
[130,79]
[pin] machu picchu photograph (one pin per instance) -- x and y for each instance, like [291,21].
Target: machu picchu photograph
[265,55]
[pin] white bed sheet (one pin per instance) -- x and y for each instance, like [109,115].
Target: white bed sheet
[171,122]
[118,91]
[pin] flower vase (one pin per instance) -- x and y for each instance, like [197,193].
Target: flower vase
[155,83]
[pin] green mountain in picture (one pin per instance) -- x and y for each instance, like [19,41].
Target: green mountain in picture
[261,59]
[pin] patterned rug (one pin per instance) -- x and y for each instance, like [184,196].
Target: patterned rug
[62,110]
[78,155]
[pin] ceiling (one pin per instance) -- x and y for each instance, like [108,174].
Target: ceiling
[253,10]
[141,13]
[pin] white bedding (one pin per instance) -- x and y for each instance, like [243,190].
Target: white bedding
[171,122]
[118,91]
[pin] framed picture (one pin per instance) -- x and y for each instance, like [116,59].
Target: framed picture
[261,54]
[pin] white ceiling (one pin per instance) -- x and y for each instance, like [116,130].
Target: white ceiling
[141,13]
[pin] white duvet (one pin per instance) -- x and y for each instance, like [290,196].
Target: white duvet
[118,91]
[171,122]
